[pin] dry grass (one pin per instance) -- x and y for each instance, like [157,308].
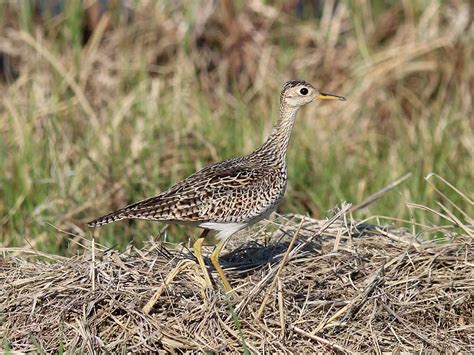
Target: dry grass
[345,287]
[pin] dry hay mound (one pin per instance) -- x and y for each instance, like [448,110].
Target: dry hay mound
[344,289]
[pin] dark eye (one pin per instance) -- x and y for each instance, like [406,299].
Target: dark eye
[303,91]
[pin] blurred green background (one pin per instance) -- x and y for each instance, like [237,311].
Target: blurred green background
[105,103]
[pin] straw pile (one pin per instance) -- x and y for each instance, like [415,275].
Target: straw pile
[300,286]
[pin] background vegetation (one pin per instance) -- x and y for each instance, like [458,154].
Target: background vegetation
[97,112]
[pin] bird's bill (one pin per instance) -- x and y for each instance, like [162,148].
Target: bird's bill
[323,96]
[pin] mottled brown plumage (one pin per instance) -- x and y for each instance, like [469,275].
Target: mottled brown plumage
[234,190]
[232,194]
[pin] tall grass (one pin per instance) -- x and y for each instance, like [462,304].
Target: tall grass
[86,128]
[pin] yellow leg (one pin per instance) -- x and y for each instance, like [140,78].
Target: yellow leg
[197,246]
[215,261]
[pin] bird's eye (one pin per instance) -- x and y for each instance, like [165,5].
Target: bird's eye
[303,91]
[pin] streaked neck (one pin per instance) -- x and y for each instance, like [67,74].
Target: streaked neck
[278,141]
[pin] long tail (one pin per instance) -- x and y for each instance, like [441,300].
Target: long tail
[141,209]
[108,218]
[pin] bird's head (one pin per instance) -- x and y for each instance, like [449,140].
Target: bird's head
[297,93]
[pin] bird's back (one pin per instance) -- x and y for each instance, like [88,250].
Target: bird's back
[233,191]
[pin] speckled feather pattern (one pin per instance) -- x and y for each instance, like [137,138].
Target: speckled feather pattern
[239,190]
[234,190]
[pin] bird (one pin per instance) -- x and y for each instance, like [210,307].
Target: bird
[232,194]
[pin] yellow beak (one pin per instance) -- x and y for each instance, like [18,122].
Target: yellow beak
[323,96]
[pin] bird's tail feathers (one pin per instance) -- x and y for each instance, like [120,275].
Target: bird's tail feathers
[109,218]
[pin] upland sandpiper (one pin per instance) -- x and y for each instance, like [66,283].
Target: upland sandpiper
[233,194]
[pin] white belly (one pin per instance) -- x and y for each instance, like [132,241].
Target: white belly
[226,229]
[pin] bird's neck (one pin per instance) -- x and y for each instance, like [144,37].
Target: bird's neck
[277,143]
